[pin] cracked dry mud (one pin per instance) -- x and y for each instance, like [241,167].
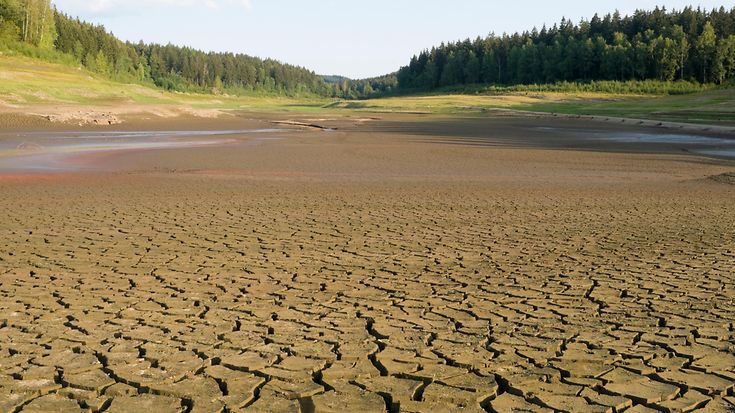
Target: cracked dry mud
[185,293]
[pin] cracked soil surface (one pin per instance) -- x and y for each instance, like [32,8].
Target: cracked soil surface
[353,271]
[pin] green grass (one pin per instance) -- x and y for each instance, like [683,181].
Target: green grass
[31,81]
[27,82]
[464,103]
[710,107]
[629,87]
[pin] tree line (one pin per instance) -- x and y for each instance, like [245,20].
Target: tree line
[37,23]
[691,44]
[362,88]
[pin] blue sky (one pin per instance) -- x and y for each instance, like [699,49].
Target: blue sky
[355,38]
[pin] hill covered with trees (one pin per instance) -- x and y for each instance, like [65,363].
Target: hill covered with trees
[36,24]
[690,44]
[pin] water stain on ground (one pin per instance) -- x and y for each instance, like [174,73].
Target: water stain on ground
[65,151]
[726,178]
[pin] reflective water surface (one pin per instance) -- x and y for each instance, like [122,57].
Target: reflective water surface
[61,151]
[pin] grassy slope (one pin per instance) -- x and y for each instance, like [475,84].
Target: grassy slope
[711,107]
[452,103]
[28,83]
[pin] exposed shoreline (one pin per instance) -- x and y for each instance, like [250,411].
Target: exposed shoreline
[480,252]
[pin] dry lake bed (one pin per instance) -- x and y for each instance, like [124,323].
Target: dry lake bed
[404,263]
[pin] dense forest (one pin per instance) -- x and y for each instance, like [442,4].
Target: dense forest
[37,23]
[355,89]
[690,44]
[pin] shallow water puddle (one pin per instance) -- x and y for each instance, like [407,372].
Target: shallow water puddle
[702,145]
[654,142]
[666,138]
[725,152]
[63,151]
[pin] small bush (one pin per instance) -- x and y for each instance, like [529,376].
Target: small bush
[631,87]
[17,48]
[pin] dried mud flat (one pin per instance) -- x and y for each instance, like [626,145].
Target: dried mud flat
[369,272]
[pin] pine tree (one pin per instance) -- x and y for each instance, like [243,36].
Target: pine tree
[687,45]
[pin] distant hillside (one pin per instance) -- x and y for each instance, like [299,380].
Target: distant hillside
[692,45]
[35,28]
[332,79]
[35,91]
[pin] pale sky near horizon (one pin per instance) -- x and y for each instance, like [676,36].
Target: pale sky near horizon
[354,38]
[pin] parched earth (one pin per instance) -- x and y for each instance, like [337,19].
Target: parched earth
[191,292]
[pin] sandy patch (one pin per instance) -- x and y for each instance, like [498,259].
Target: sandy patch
[83,117]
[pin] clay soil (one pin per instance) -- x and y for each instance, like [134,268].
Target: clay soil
[402,264]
